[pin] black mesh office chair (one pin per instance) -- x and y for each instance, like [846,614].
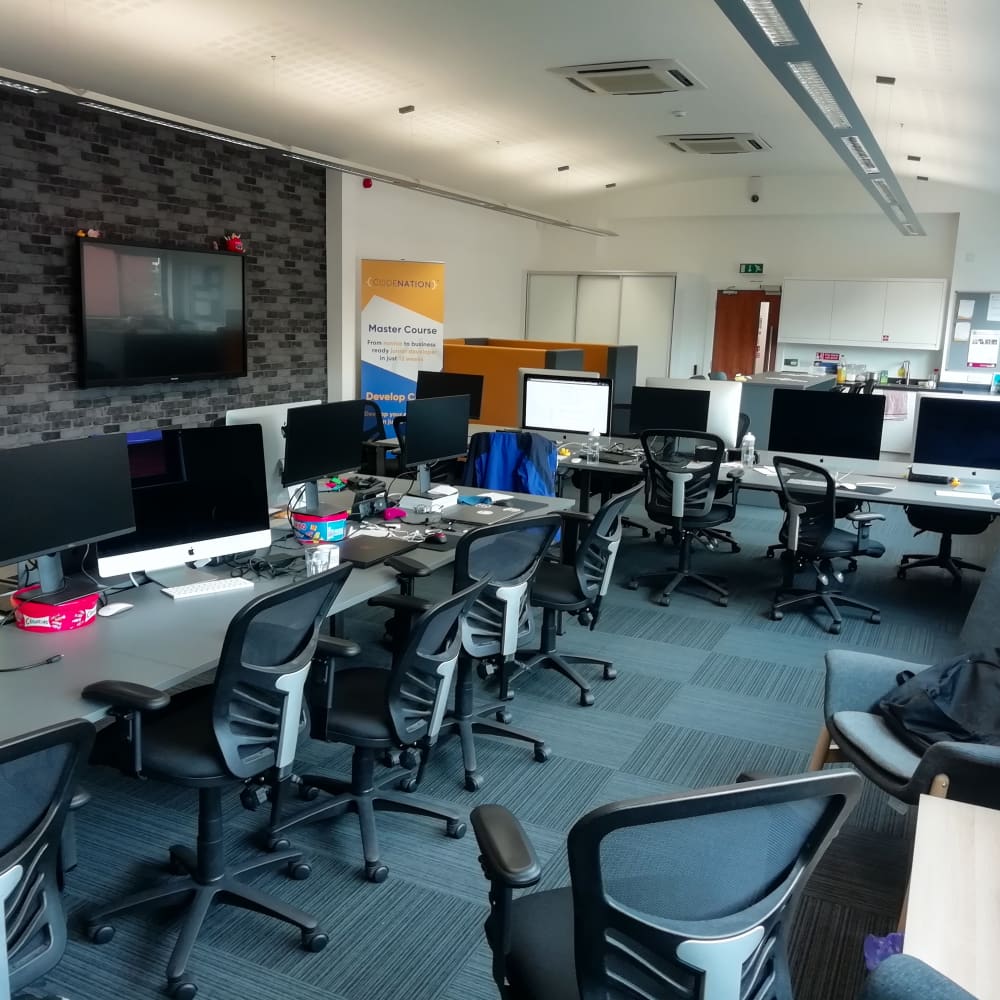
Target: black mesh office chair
[686,895]
[375,710]
[211,738]
[711,538]
[506,556]
[680,491]
[947,523]
[39,773]
[812,539]
[577,584]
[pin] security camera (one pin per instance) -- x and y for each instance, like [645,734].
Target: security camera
[755,198]
[753,189]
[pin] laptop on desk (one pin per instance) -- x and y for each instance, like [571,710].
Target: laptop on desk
[369,550]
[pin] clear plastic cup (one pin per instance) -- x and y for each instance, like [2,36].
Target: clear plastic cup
[320,558]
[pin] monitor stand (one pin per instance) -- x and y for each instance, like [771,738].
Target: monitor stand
[423,478]
[57,589]
[178,576]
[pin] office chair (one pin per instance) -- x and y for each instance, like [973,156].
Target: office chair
[904,977]
[504,556]
[718,377]
[519,461]
[711,538]
[682,895]
[39,773]
[213,737]
[577,585]
[680,491]
[375,710]
[947,523]
[373,429]
[811,538]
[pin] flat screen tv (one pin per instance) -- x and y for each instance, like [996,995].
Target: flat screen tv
[157,314]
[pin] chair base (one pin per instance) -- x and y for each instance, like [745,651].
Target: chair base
[360,795]
[953,564]
[675,579]
[711,538]
[562,663]
[792,597]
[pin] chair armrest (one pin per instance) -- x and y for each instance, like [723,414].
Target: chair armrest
[128,696]
[903,977]
[331,645]
[573,521]
[856,681]
[576,515]
[972,770]
[507,854]
[864,518]
[408,567]
[401,602]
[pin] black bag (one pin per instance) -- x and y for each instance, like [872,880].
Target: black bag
[957,701]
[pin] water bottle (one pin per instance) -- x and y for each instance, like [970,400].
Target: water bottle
[748,450]
[593,446]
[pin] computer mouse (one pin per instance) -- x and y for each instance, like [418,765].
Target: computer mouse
[436,537]
[576,461]
[846,486]
[109,610]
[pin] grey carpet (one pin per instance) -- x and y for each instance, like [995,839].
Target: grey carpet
[702,694]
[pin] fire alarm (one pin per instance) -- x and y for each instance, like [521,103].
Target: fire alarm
[366,183]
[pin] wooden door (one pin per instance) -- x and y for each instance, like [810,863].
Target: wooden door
[737,318]
[771,340]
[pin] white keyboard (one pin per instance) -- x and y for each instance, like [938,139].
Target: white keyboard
[204,589]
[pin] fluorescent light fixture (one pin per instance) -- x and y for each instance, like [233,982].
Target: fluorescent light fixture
[910,231]
[166,123]
[860,153]
[26,88]
[813,85]
[771,22]
[899,213]
[884,192]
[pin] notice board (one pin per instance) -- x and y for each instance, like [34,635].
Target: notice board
[974,336]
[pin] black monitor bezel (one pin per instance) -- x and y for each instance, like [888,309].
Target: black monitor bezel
[430,404]
[669,424]
[955,458]
[554,376]
[781,398]
[475,398]
[319,470]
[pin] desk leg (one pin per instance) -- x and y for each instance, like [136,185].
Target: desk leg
[584,502]
[379,461]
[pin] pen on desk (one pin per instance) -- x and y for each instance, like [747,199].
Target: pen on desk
[55,658]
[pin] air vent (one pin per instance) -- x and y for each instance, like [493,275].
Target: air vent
[652,76]
[723,142]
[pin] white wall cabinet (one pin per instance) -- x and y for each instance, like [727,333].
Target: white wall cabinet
[892,313]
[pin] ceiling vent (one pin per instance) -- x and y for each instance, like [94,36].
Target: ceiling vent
[650,76]
[723,142]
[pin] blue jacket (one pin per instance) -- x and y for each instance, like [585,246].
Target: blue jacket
[521,462]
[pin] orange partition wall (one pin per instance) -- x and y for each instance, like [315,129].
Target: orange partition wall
[595,356]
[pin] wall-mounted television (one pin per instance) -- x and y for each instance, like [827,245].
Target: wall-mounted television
[158,314]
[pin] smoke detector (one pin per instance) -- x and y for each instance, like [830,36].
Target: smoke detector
[722,142]
[621,79]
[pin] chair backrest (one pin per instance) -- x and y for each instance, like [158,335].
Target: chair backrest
[809,499]
[399,430]
[39,774]
[718,376]
[598,549]
[680,477]
[689,894]
[422,673]
[506,554]
[263,669]
[373,426]
[522,461]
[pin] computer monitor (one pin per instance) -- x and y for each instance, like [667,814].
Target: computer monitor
[199,493]
[320,441]
[826,424]
[436,429]
[724,402]
[430,385]
[956,435]
[58,495]
[560,402]
[272,420]
[676,409]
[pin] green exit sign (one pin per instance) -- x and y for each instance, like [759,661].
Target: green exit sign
[751,268]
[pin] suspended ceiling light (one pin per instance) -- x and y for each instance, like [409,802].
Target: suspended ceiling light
[784,38]
[26,88]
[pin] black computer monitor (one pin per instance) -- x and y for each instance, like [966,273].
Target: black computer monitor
[436,429]
[433,384]
[957,434]
[199,493]
[320,441]
[676,409]
[838,424]
[61,494]
[571,403]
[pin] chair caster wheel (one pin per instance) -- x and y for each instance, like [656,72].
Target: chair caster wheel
[407,783]
[776,616]
[736,548]
[768,555]
[101,933]
[610,673]
[314,940]
[455,829]
[375,871]
[900,574]
[834,628]
[278,844]
[391,758]
[632,585]
[249,799]
[473,782]
[876,619]
[502,715]
[723,602]
[182,989]
[175,866]
[298,870]
[542,753]
[664,602]
[409,759]
[308,793]
[483,670]
[586,699]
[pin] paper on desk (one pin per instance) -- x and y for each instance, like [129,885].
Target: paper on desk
[963,494]
[993,311]
[962,331]
[497,497]
[765,470]
[966,307]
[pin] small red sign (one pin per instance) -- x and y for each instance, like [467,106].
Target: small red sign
[827,356]
[885,338]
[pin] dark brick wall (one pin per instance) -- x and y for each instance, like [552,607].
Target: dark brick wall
[63,167]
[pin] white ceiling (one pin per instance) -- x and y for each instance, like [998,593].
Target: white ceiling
[329,76]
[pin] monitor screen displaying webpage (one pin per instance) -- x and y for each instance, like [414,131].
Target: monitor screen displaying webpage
[565,403]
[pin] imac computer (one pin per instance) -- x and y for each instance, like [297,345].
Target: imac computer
[724,399]
[58,495]
[957,435]
[321,441]
[430,385]
[827,425]
[677,409]
[560,402]
[199,493]
[436,429]
[272,420]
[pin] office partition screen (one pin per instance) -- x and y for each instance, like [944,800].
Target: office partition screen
[838,424]
[673,409]
[561,403]
[957,433]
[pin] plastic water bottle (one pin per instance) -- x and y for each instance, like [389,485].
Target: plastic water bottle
[748,450]
[593,446]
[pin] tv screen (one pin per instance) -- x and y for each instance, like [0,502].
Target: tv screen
[152,314]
